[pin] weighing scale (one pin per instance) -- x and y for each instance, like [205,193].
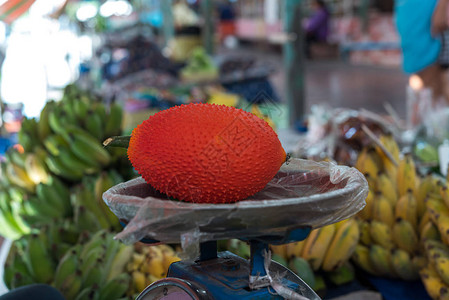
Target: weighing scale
[303,195]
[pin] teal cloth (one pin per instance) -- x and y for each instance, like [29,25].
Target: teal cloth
[413,20]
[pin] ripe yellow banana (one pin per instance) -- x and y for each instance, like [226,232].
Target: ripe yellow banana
[19,177]
[35,169]
[429,232]
[443,227]
[435,249]
[342,246]
[381,234]
[442,268]
[404,236]
[361,257]
[368,162]
[387,188]
[390,144]
[424,220]
[407,209]
[382,210]
[444,192]
[279,250]
[432,281]
[295,249]
[365,235]
[317,244]
[428,186]
[381,260]
[139,281]
[436,208]
[406,176]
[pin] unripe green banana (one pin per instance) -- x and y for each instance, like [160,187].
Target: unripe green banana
[114,120]
[40,265]
[115,288]
[120,260]
[66,267]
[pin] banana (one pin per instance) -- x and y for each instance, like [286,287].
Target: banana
[442,268]
[56,166]
[54,143]
[139,281]
[115,288]
[295,249]
[87,148]
[95,241]
[72,162]
[435,249]
[380,259]
[361,257]
[403,266]
[390,144]
[84,197]
[342,246]
[114,120]
[43,126]
[404,236]
[381,234]
[317,244]
[81,108]
[365,235]
[444,192]
[368,162]
[36,169]
[19,177]
[432,282]
[94,125]
[406,176]
[419,262]
[94,275]
[367,212]
[87,293]
[436,208]
[55,121]
[102,184]
[120,260]
[424,220]
[86,220]
[72,285]
[90,260]
[48,194]
[20,279]
[387,188]
[154,266]
[407,209]
[382,210]
[280,250]
[427,187]
[429,232]
[67,266]
[40,266]
[443,227]
[28,136]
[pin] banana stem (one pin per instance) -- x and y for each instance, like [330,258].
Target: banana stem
[117,141]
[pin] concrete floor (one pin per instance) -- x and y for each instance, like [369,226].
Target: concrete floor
[339,84]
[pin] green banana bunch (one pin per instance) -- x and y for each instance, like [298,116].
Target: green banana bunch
[40,265]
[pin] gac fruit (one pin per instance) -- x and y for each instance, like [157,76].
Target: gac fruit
[206,153]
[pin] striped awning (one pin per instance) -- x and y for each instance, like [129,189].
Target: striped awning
[11,10]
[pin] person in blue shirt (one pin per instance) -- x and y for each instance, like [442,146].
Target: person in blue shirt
[420,24]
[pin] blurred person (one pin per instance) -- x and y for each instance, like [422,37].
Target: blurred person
[317,25]
[420,25]
[226,15]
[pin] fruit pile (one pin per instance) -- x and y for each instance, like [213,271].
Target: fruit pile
[394,222]
[51,201]
[404,226]
[200,67]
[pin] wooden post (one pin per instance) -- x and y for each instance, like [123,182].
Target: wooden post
[294,60]
[208,26]
[168,28]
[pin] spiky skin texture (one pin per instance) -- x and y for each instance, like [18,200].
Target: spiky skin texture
[206,153]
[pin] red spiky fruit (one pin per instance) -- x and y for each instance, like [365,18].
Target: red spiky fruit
[206,153]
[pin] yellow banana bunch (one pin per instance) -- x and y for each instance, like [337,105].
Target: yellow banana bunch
[403,266]
[361,257]
[406,176]
[295,249]
[381,260]
[317,244]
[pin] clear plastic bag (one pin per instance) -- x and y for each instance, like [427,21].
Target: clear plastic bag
[303,193]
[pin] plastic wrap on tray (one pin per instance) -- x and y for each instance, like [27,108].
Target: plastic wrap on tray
[303,193]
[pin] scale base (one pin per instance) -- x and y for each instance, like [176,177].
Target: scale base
[221,278]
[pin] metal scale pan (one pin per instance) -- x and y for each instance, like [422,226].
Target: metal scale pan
[302,196]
